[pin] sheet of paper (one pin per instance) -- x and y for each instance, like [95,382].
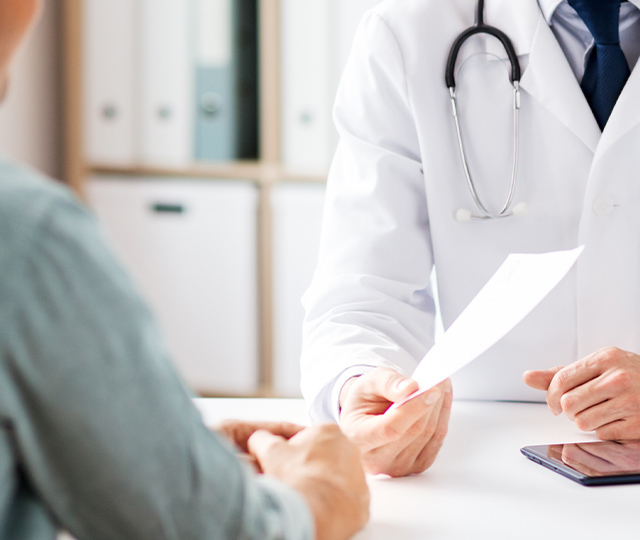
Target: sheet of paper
[518,286]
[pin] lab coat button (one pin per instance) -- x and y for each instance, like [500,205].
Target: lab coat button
[603,206]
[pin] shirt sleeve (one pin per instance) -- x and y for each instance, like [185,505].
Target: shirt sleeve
[104,430]
[370,303]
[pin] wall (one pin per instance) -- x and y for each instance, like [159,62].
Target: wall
[31,115]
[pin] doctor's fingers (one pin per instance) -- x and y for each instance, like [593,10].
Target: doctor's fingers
[540,379]
[620,429]
[398,457]
[432,448]
[572,376]
[397,424]
[625,408]
[385,383]
[586,396]
[617,374]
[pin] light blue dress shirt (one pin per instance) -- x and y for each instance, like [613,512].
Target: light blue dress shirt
[575,39]
[97,433]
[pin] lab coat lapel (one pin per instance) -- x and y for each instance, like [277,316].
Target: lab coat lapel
[624,117]
[549,79]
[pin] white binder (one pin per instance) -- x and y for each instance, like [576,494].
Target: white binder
[297,217]
[316,41]
[166,82]
[109,65]
[191,247]
[309,81]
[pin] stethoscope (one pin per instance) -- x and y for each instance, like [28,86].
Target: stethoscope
[480,27]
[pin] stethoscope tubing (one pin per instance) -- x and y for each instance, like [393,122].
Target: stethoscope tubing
[481,28]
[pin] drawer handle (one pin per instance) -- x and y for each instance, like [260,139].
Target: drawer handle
[163,208]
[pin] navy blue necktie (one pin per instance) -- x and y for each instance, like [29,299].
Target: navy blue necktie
[607,70]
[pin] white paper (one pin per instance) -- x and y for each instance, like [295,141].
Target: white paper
[518,286]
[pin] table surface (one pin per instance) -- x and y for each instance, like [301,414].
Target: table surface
[480,486]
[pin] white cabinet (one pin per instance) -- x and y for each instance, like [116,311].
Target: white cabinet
[191,246]
[297,215]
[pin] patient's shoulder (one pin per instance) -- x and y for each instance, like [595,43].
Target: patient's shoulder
[27,198]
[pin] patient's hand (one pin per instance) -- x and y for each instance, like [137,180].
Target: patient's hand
[322,465]
[239,432]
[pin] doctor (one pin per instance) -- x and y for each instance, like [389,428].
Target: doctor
[399,204]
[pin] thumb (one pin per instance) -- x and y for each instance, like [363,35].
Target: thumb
[540,379]
[262,443]
[391,385]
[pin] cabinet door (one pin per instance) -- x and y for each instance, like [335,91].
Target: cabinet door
[191,247]
[297,216]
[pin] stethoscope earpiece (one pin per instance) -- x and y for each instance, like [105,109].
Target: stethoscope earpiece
[520,209]
[463,215]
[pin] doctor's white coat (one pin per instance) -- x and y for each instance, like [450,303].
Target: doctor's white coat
[397,182]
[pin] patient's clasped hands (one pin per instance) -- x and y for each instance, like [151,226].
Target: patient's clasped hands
[319,462]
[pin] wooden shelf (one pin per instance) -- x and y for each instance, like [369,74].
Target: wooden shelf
[256,171]
[266,172]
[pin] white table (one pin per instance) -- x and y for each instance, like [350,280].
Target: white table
[480,486]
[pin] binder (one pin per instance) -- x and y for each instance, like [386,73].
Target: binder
[309,81]
[165,82]
[316,41]
[226,74]
[109,66]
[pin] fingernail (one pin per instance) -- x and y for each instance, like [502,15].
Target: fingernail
[432,397]
[403,385]
[554,412]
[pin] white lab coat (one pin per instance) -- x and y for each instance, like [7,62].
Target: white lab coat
[397,182]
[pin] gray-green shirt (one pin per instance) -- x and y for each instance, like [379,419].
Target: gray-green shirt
[97,433]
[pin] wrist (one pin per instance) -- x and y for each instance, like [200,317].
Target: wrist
[327,505]
[344,391]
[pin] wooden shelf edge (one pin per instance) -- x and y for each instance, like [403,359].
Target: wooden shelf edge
[261,173]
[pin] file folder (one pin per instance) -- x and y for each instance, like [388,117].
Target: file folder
[109,67]
[309,81]
[166,82]
[226,90]
[316,40]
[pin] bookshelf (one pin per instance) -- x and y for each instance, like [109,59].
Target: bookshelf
[265,173]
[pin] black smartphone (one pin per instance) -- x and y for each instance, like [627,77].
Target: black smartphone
[597,463]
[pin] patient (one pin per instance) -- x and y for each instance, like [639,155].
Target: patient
[97,433]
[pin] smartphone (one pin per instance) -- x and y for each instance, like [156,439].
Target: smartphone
[597,463]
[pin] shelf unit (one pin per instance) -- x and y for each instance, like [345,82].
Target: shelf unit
[265,173]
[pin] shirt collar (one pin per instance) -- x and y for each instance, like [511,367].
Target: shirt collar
[548,7]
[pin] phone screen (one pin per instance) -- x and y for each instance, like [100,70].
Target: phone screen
[597,462]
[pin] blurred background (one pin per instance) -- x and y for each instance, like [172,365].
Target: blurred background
[200,133]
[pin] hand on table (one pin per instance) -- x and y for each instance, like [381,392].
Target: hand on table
[239,432]
[325,468]
[598,459]
[400,442]
[599,393]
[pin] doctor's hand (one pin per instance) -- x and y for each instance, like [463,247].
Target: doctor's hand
[402,441]
[599,393]
[321,464]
